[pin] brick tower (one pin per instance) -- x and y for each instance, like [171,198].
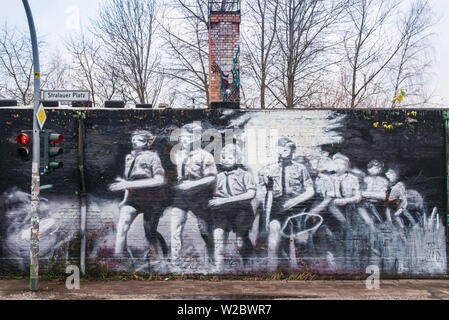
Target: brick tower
[224,50]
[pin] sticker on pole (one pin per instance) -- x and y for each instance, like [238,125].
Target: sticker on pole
[41,116]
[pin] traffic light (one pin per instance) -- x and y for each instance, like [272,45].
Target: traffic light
[51,150]
[23,150]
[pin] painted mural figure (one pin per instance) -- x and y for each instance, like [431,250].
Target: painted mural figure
[292,187]
[347,194]
[336,188]
[142,183]
[374,196]
[15,230]
[346,187]
[196,180]
[231,205]
[396,199]
[375,191]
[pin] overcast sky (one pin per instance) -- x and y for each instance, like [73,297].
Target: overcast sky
[56,19]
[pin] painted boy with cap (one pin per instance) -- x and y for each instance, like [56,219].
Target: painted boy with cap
[292,187]
[231,205]
[142,183]
[348,222]
[196,171]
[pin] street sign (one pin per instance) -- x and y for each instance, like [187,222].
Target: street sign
[66,95]
[41,116]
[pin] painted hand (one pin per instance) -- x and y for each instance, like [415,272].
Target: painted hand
[121,184]
[340,202]
[289,204]
[184,186]
[216,202]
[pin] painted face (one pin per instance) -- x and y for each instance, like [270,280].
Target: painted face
[375,170]
[391,175]
[228,158]
[139,142]
[185,139]
[285,151]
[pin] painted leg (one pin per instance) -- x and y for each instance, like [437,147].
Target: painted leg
[367,219]
[375,213]
[155,239]
[274,239]
[409,217]
[220,248]
[388,215]
[207,235]
[337,214]
[178,220]
[127,216]
[245,247]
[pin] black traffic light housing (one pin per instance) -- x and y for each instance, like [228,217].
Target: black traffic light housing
[51,150]
[23,150]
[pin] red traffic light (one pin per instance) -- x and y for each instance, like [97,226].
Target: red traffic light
[22,138]
[55,138]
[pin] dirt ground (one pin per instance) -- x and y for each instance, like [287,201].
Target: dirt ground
[226,289]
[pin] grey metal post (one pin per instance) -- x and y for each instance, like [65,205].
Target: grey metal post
[35,177]
[83,192]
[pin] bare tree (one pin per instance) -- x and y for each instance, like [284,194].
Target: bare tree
[95,69]
[413,59]
[259,44]
[186,37]
[372,45]
[126,29]
[85,54]
[109,83]
[57,74]
[16,65]
[303,39]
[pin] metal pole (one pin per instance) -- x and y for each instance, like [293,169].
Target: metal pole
[35,177]
[83,226]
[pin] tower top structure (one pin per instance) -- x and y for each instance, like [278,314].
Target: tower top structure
[222,6]
[224,52]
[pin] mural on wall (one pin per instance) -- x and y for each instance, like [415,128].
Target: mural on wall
[255,192]
[289,191]
[56,236]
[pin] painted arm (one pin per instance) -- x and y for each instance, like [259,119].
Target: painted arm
[215,202]
[378,195]
[123,184]
[398,198]
[306,195]
[356,198]
[189,185]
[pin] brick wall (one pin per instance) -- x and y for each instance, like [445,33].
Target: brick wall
[224,44]
[411,144]
[60,205]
